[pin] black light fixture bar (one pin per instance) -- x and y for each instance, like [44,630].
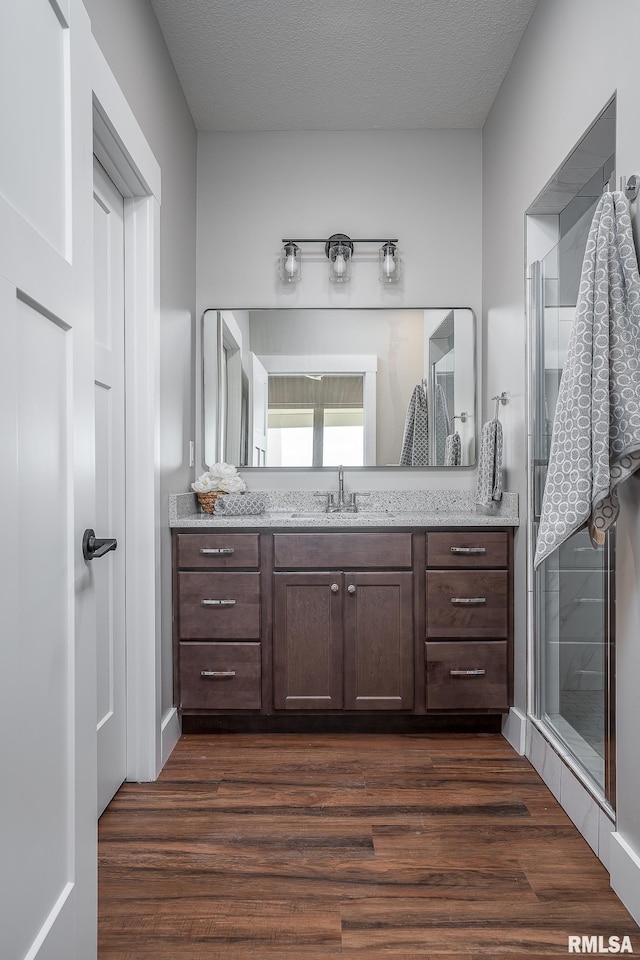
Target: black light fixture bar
[352,239]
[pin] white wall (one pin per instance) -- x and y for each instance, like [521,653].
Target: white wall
[129,36]
[574,56]
[420,186]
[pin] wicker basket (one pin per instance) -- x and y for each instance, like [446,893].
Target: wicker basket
[208,500]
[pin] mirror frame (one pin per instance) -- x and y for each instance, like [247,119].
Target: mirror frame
[205,340]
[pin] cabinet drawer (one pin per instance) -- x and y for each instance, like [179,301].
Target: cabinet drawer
[467,549]
[218,550]
[467,676]
[220,676]
[467,603]
[342,550]
[219,606]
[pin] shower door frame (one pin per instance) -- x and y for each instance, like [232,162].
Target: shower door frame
[605,796]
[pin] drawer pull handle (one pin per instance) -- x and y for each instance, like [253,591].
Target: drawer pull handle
[217,674]
[467,673]
[465,600]
[217,551]
[217,603]
[468,549]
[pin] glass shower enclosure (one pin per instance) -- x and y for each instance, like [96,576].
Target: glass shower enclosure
[573,590]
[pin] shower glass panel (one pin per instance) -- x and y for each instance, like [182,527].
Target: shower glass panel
[573,587]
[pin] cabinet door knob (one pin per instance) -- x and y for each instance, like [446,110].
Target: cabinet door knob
[334,588]
[351,588]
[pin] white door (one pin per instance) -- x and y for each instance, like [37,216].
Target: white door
[47,653]
[109,570]
[258,411]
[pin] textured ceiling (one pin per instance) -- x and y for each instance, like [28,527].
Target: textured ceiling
[341,64]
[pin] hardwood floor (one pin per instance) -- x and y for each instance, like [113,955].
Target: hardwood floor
[310,847]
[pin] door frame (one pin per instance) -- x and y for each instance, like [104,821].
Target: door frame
[123,151]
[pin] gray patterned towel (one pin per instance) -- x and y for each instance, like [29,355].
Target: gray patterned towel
[489,482]
[239,505]
[415,440]
[452,450]
[596,431]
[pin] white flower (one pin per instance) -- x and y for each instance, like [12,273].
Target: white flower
[223,470]
[233,484]
[205,484]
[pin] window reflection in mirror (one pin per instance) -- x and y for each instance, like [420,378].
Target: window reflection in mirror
[315,388]
[315,420]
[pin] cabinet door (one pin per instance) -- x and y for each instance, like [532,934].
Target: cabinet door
[307,641]
[378,617]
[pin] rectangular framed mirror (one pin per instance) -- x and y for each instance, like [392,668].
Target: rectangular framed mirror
[313,388]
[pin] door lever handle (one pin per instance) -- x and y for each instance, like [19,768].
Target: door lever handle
[92,547]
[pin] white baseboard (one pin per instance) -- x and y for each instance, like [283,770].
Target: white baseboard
[170,733]
[514,730]
[625,874]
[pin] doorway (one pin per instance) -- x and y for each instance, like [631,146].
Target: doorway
[109,572]
[134,175]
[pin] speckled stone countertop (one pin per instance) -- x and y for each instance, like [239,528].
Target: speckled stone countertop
[396,508]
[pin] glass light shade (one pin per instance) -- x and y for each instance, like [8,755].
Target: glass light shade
[339,263]
[290,263]
[389,263]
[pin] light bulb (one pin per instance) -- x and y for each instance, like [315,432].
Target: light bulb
[339,265]
[389,265]
[291,265]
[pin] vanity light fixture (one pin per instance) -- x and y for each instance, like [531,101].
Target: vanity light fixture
[339,252]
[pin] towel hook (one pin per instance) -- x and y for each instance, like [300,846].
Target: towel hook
[462,417]
[631,186]
[501,398]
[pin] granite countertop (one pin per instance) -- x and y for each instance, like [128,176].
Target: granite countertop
[389,509]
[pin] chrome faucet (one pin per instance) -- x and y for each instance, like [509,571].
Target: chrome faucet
[341,505]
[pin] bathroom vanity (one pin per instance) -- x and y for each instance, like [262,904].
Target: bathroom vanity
[384,613]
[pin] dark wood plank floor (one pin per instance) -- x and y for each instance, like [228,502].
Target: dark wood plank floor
[310,847]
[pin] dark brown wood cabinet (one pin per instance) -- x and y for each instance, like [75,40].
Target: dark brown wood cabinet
[217,622]
[343,622]
[469,621]
[343,640]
